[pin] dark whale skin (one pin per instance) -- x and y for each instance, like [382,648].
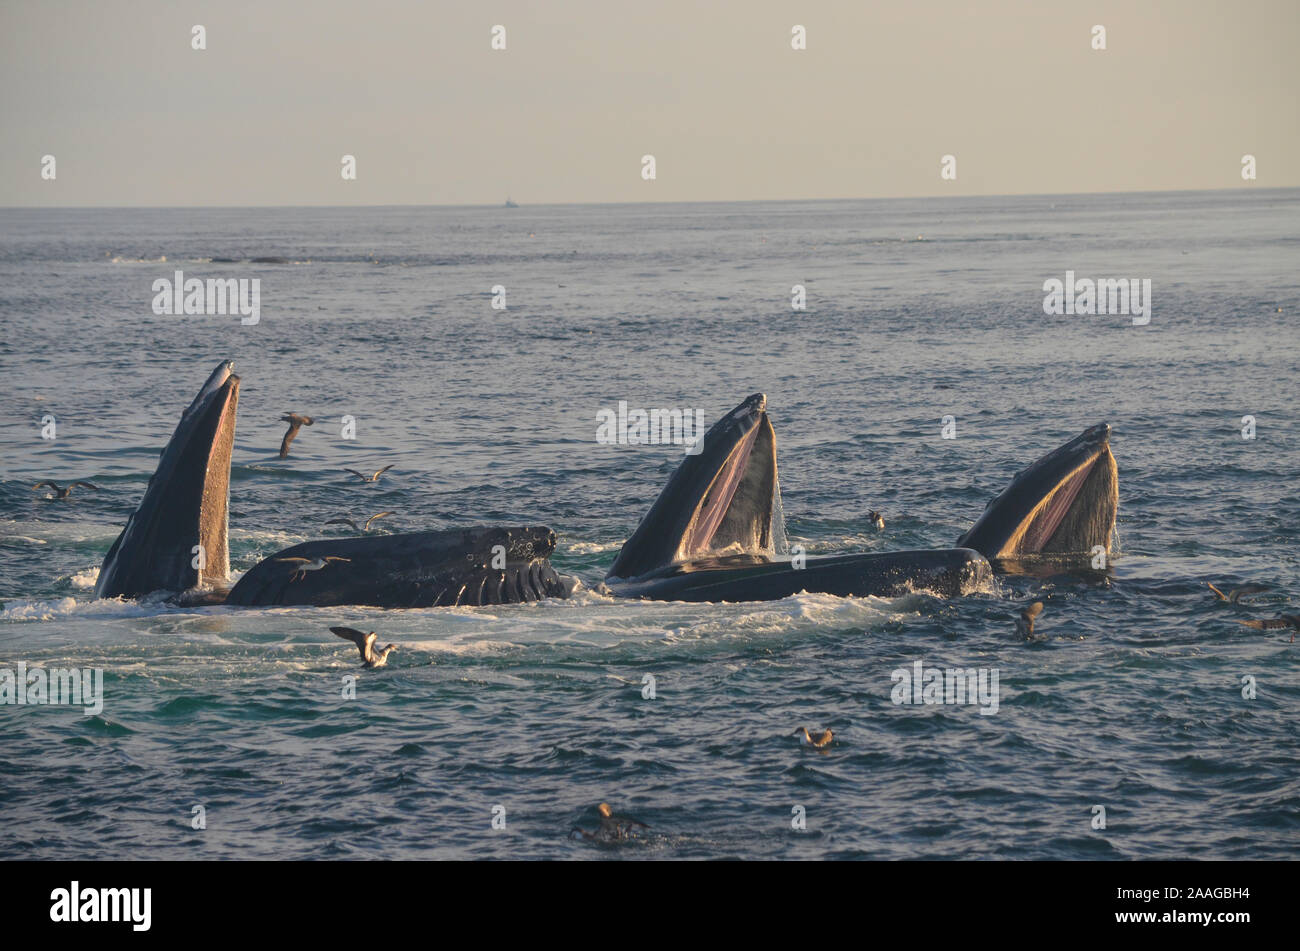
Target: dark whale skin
[415,570]
[948,572]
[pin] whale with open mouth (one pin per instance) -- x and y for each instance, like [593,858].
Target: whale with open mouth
[714,532]
[1060,508]
[176,542]
[177,539]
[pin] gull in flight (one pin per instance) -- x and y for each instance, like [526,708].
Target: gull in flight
[61,493]
[1233,596]
[1025,623]
[366,644]
[371,478]
[1267,624]
[305,565]
[355,526]
[296,422]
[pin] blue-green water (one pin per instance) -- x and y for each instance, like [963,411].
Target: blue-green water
[916,310]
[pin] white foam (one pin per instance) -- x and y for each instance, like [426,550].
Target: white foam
[37,610]
[32,609]
[85,579]
[20,540]
[590,548]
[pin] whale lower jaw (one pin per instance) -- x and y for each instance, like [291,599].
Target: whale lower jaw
[947,572]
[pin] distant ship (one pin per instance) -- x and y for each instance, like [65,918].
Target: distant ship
[509,203]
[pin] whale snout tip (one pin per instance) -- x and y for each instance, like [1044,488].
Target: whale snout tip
[976,572]
[1098,434]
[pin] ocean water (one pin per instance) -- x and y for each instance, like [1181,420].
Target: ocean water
[917,309]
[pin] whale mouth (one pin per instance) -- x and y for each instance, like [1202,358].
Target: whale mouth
[177,539]
[1063,504]
[735,514]
[720,501]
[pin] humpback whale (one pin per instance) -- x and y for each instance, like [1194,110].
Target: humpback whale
[176,541]
[414,570]
[712,535]
[715,533]
[1061,507]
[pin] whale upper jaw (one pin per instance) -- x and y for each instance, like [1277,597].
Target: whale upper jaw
[719,500]
[176,540]
[1061,506]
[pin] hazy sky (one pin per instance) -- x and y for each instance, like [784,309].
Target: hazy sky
[713,90]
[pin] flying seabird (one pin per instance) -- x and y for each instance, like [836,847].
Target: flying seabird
[1025,624]
[373,478]
[612,828]
[877,520]
[355,526]
[366,644]
[309,564]
[296,423]
[1268,624]
[817,739]
[1233,596]
[60,493]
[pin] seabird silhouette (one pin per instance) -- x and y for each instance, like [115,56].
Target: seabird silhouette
[1233,596]
[366,644]
[877,520]
[817,739]
[1025,623]
[355,526]
[61,493]
[373,478]
[296,423]
[1270,623]
[308,564]
[612,828]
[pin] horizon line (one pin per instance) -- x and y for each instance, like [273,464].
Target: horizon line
[728,201]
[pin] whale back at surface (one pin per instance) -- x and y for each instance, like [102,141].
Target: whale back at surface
[467,566]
